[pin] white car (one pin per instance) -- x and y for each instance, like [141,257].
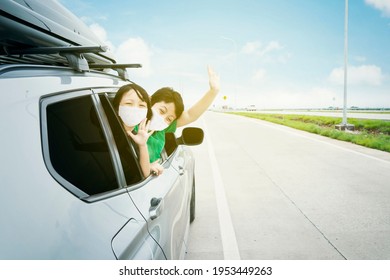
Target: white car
[71,186]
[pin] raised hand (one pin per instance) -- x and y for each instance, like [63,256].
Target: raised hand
[143,133]
[213,79]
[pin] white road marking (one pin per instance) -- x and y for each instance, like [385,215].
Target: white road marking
[228,235]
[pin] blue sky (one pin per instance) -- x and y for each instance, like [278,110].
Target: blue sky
[274,54]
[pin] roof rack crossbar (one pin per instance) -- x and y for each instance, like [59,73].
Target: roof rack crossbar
[73,54]
[119,68]
[115,66]
[54,50]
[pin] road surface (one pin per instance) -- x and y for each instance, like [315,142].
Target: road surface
[266,191]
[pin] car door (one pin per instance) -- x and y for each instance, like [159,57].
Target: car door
[126,244]
[163,200]
[81,153]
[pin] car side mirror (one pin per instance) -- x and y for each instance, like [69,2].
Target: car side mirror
[190,136]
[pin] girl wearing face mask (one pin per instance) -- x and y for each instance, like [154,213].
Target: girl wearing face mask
[168,114]
[132,104]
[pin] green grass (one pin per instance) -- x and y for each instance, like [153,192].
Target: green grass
[373,134]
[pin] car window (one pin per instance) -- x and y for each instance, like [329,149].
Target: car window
[170,139]
[170,143]
[77,146]
[125,146]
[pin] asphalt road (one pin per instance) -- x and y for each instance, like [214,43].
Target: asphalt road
[266,191]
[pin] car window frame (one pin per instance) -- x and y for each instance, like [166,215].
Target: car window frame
[103,94]
[108,91]
[166,159]
[106,128]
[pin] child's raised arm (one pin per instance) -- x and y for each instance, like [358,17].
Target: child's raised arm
[204,103]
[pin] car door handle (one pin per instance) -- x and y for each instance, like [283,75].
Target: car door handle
[156,207]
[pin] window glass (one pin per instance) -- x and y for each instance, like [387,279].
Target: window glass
[124,144]
[77,147]
[170,143]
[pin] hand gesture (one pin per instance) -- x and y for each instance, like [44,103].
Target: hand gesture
[143,134]
[213,80]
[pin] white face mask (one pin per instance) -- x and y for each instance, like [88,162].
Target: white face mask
[132,116]
[157,122]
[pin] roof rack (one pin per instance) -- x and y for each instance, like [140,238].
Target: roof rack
[74,56]
[119,68]
[53,50]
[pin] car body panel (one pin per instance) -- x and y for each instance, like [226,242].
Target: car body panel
[48,221]
[141,246]
[40,219]
[172,209]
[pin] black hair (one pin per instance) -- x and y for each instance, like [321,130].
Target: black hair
[141,93]
[168,95]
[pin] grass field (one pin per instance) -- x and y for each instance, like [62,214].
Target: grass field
[373,134]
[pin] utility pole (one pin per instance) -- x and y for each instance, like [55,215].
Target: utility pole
[345,63]
[344,125]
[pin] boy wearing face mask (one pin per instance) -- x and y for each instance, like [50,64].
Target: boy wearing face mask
[168,114]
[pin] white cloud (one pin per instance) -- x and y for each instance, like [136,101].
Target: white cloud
[251,47]
[358,75]
[337,76]
[135,50]
[101,33]
[259,75]
[258,49]
[382,5]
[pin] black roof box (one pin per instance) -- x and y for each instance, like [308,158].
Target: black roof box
[26,24]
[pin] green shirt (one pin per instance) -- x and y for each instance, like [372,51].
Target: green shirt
[156,141]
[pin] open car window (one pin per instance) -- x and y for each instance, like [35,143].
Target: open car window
[126,147]
[85,149]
